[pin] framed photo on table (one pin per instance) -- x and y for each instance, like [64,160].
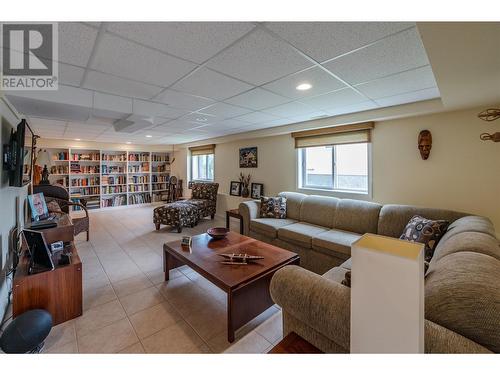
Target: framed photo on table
[257,190]
[235,188]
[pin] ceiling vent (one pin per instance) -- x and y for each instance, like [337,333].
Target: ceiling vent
[133,123]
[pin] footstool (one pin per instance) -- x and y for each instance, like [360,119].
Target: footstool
[176,214]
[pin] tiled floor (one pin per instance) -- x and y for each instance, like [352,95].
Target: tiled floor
[128,308]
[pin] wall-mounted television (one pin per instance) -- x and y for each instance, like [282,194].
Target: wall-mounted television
[18,155]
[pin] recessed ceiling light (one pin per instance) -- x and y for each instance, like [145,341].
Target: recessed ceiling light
[129,143]
[304,86]
[77,139]
[149,136]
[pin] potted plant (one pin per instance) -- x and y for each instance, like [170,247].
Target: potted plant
[245,183]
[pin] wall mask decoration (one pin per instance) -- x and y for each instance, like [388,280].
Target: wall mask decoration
[489,115]
[425,143]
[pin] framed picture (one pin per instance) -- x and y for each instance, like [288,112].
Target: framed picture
[190,184]
[38,206]
[248,157]
[257,190]
[235,188]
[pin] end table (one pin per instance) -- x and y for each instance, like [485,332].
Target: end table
[236,214]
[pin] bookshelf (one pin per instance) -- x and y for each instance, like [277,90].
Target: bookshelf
[110,178]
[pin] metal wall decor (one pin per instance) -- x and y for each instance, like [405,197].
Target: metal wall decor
[490,114]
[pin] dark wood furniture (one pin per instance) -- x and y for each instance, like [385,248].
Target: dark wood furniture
[236,214]
[294,344]
[247,286]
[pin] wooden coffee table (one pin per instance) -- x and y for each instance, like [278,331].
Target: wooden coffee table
[247,286]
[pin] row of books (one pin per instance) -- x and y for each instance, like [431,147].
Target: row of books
[160,158]
[114,157]
[85,190]
[164,178]
[134,188]
[76,168]
[94,156]
[112,169]
[89,181]
[59,169]
[62,155]
[138,179]
[139,198]
[114,189]
[138,157]
[144,167]
[159,186]
[114,180]
[119,200]
[161,168]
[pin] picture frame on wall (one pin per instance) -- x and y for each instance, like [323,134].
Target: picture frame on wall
[235,188]
[248,157]
[257,190]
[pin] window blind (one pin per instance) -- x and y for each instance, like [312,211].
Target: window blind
[202,150]
[335,135]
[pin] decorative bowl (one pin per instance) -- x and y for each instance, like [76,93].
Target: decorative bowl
[217,233]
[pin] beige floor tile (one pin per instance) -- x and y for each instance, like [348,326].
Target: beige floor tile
[97,297]
[179,338]
[61,334]
[251,343]
[110,339]
[130,286]
[154,319]
[147,261]
[96,282]
[208,322]
[272,328]
[67,348]
[133,349]
[98,317]
[257,321]
[192,300]
[141,300]
[157,276]
[175,287]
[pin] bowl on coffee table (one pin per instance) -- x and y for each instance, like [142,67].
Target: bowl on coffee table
[218,233]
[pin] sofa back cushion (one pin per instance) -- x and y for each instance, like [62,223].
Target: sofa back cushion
[394,217]
[462,294]
[357,216]
[477,224]
[318,210]
[293,202]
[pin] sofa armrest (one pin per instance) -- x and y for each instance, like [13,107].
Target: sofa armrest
[439,339]
[323,305]
[248,210]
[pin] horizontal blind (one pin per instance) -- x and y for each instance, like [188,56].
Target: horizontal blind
[335,135]
[202,150]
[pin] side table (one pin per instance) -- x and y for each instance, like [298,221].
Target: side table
[236,214]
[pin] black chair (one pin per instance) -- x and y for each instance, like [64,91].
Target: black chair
[27,332]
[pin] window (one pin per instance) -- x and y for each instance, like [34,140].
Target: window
[342,167]
[202,167]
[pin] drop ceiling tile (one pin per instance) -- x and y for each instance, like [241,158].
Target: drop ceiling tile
[112,103]
[195,41]
[259,58]
[114,85]
[182,100]
[42,122]
[258,99]
[409,97]
[76,42]
[224,110]
[130,60]
[289,110]
[199,118]
[173,113]
[400,52]
[46,109]
[321,82]
[326,40]
[338,98]
[413,80]
[147,108]
[256,117]
[358,107]
[209,84]
[70,75]
[233,123]
[175,126]
[309,116]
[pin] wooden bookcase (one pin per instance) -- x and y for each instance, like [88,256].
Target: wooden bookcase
[110,178]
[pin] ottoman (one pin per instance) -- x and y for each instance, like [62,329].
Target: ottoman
[176,214]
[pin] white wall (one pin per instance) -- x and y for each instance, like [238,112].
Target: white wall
[462,172]
[11,205]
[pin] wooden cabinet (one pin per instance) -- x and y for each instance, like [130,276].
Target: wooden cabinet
[58,291]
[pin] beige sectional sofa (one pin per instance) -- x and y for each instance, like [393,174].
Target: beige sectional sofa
[462,284]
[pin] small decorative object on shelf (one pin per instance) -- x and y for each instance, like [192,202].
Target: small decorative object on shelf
[425,143]
[186,241]
[217,233]
[235,188]
[257,190]
[248,157]
[239,259]
[245,182]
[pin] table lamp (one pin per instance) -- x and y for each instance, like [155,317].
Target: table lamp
[44,159]
[387,295]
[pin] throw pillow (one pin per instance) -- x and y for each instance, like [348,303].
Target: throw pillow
[426,231]
[273,207]
[347,279]
[53,206]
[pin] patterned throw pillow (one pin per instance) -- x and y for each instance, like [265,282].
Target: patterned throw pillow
[273,207]
[425,231]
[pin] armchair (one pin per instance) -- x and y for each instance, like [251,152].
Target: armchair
[204,197]
[59,194]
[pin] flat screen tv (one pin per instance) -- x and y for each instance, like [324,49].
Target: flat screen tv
[18,155]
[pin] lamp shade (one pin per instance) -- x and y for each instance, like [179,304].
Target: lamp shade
[43,158]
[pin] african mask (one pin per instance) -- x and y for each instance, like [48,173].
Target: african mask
[425,144]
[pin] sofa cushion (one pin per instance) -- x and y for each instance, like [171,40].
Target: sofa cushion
[394,217]
[336,274]
[470,224]
[293,202]
[462,294]
[425,231]
[357,216]
[318,210]
[300,233]
[335,240]
[347,264]
[273,207]
[269,226]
